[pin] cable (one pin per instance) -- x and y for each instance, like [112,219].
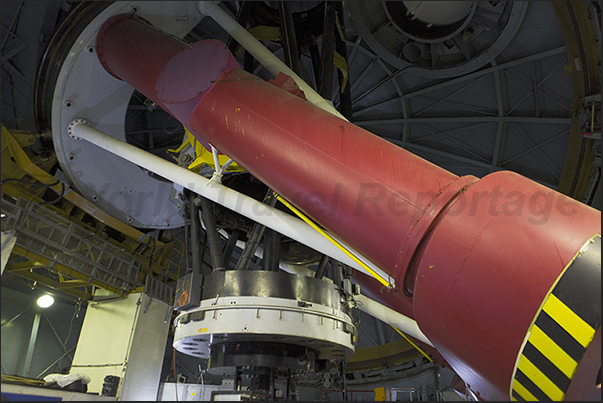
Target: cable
[75,313]
[61,195]
[40,185]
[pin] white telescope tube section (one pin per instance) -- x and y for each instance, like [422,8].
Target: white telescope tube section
[391,317]
[283,223]
[265,57]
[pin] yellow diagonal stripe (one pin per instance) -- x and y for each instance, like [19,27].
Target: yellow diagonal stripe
[523,392]
[567,319]
[540,379]
[553,352]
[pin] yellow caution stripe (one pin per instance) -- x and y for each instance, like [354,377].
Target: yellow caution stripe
[569,320]
[562,329]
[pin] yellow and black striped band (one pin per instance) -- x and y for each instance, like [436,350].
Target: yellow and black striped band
[562,329]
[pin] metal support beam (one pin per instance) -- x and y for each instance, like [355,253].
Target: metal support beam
[471,76]
[23,266]
[535,90]
[440,100]
[315,59]
[48,368]
[456,143]
[345,95]
[336,273]
[325,87]
[438,133]
[11,320]
[243,17]
[523,137]
[322,266]
[11,26]
[262,54]
[461,119]
[379,84]
[195,233]
[498,144]
[288,39]
[57,285]
[257,232]
[443,154]
[272,249]
[57,335]
[9,55]
[358,80]
[35,327]
[537,146]
[529,84]
[229,247]
[462,106]
[501,105]
[213,239]
[354,50]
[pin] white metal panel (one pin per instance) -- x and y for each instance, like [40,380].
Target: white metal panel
[123,337]
[85,90]
[143,373]
[104,339]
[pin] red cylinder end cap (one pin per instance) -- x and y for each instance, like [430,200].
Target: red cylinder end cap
[193,71]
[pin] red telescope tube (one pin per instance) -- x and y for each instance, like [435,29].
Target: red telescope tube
[500,273]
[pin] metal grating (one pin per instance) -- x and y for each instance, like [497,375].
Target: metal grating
[161,291]
[51,236]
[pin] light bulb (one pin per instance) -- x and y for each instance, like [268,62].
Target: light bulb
[45,301]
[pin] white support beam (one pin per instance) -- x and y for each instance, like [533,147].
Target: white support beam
[391,317]
[257,211]
[265,57]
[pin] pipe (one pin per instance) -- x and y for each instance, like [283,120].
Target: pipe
[322,265]
[345,96]
[328,51]
[391,317]
[286,267]
[257,211]
[288,38]
[195,232]
[262,55]
[187,239]
[272,246]
[213,239]
[336,274]
[257,231]
[229,247]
